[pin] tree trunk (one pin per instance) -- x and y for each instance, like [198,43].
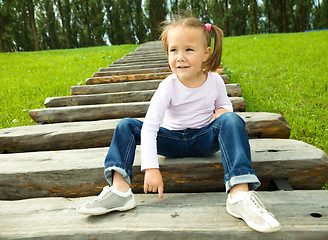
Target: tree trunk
[227,21]
[61,17]
[283,16]
[255,17]
[30,6]
[88,23]
[302,15]
[1,33]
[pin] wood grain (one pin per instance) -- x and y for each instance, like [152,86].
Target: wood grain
[75,173]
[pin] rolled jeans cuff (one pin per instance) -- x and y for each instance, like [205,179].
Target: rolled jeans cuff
[109,174]
[252,180]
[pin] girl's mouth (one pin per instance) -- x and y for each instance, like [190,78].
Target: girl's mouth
[182,67]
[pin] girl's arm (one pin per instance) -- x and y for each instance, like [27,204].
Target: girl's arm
[153,181]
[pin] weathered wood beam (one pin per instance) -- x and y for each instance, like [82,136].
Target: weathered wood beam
[189,216]
[131,59]
[134,66]
[91,134]
[104,98]
[89,113]
[75,173]
[131,71]
[115,87]
[104,111]
[150,54]
[128,78]
[118,97]
[234,90]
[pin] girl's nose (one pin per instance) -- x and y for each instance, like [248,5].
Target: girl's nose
[180,57]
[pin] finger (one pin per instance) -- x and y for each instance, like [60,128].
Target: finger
[154,189]
[160,193]
[145,188]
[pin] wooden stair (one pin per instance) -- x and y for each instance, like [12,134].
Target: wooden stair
[47,170]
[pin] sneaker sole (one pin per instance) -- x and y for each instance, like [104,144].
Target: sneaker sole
[250,225]
[127,206]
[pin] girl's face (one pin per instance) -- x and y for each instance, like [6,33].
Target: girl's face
[186,52]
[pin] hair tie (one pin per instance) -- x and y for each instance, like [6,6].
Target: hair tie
[208,27]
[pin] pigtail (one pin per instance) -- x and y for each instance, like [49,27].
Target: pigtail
[214,61]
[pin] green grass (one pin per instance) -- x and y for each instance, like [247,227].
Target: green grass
[280,73]
[28,78]
[286,74]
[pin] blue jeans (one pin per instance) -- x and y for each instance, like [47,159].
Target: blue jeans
[227,133]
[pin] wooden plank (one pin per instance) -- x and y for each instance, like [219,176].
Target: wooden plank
[74,173]
[104,98]
[91,134]
[60,136]
[155,64]
[189,216]
[104,111]
[115,87]
[89,113]
[143,58]
[132,77]
[126,78]
[150,54]
[233,90]
[131,71]
[118,97]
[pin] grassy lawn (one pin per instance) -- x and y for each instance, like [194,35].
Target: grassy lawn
[28,78]
[279,73]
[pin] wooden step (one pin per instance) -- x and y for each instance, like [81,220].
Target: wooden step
[131,71]
[75,173]
[233,90]
[79,135]
[126,78]
[104,98]
[105,111]
[189,216]
[136,66]
[118,97]
[149,54]
[129,78]
[142,58]
[115,87]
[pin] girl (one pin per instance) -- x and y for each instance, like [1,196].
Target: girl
[198,120]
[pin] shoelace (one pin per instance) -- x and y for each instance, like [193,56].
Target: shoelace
[256,200]
[102,194]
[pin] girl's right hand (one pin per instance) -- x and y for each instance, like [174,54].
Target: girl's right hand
[153,182]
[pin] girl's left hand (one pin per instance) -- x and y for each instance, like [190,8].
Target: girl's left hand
[218,113]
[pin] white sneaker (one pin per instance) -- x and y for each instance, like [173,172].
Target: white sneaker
[250,208]
[107,201]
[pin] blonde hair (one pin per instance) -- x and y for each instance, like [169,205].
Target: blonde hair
[214,61]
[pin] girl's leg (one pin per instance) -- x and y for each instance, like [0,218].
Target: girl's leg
[228,134]
[120,156]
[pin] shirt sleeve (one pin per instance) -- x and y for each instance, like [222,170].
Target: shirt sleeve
[152,122]
[222,100]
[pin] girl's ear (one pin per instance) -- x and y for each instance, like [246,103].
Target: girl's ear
[207,54]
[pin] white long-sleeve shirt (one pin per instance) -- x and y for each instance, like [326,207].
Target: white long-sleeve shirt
[180,107]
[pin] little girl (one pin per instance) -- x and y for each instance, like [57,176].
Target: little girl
[198,120]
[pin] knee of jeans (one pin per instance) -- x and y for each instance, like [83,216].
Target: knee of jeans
[232,119]
[123,123]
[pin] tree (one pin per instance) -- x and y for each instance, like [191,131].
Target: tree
[30,7]
[138,20]
[238,23]
[156,12]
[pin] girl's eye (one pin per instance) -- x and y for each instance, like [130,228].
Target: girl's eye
[189,49]
[173,50]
